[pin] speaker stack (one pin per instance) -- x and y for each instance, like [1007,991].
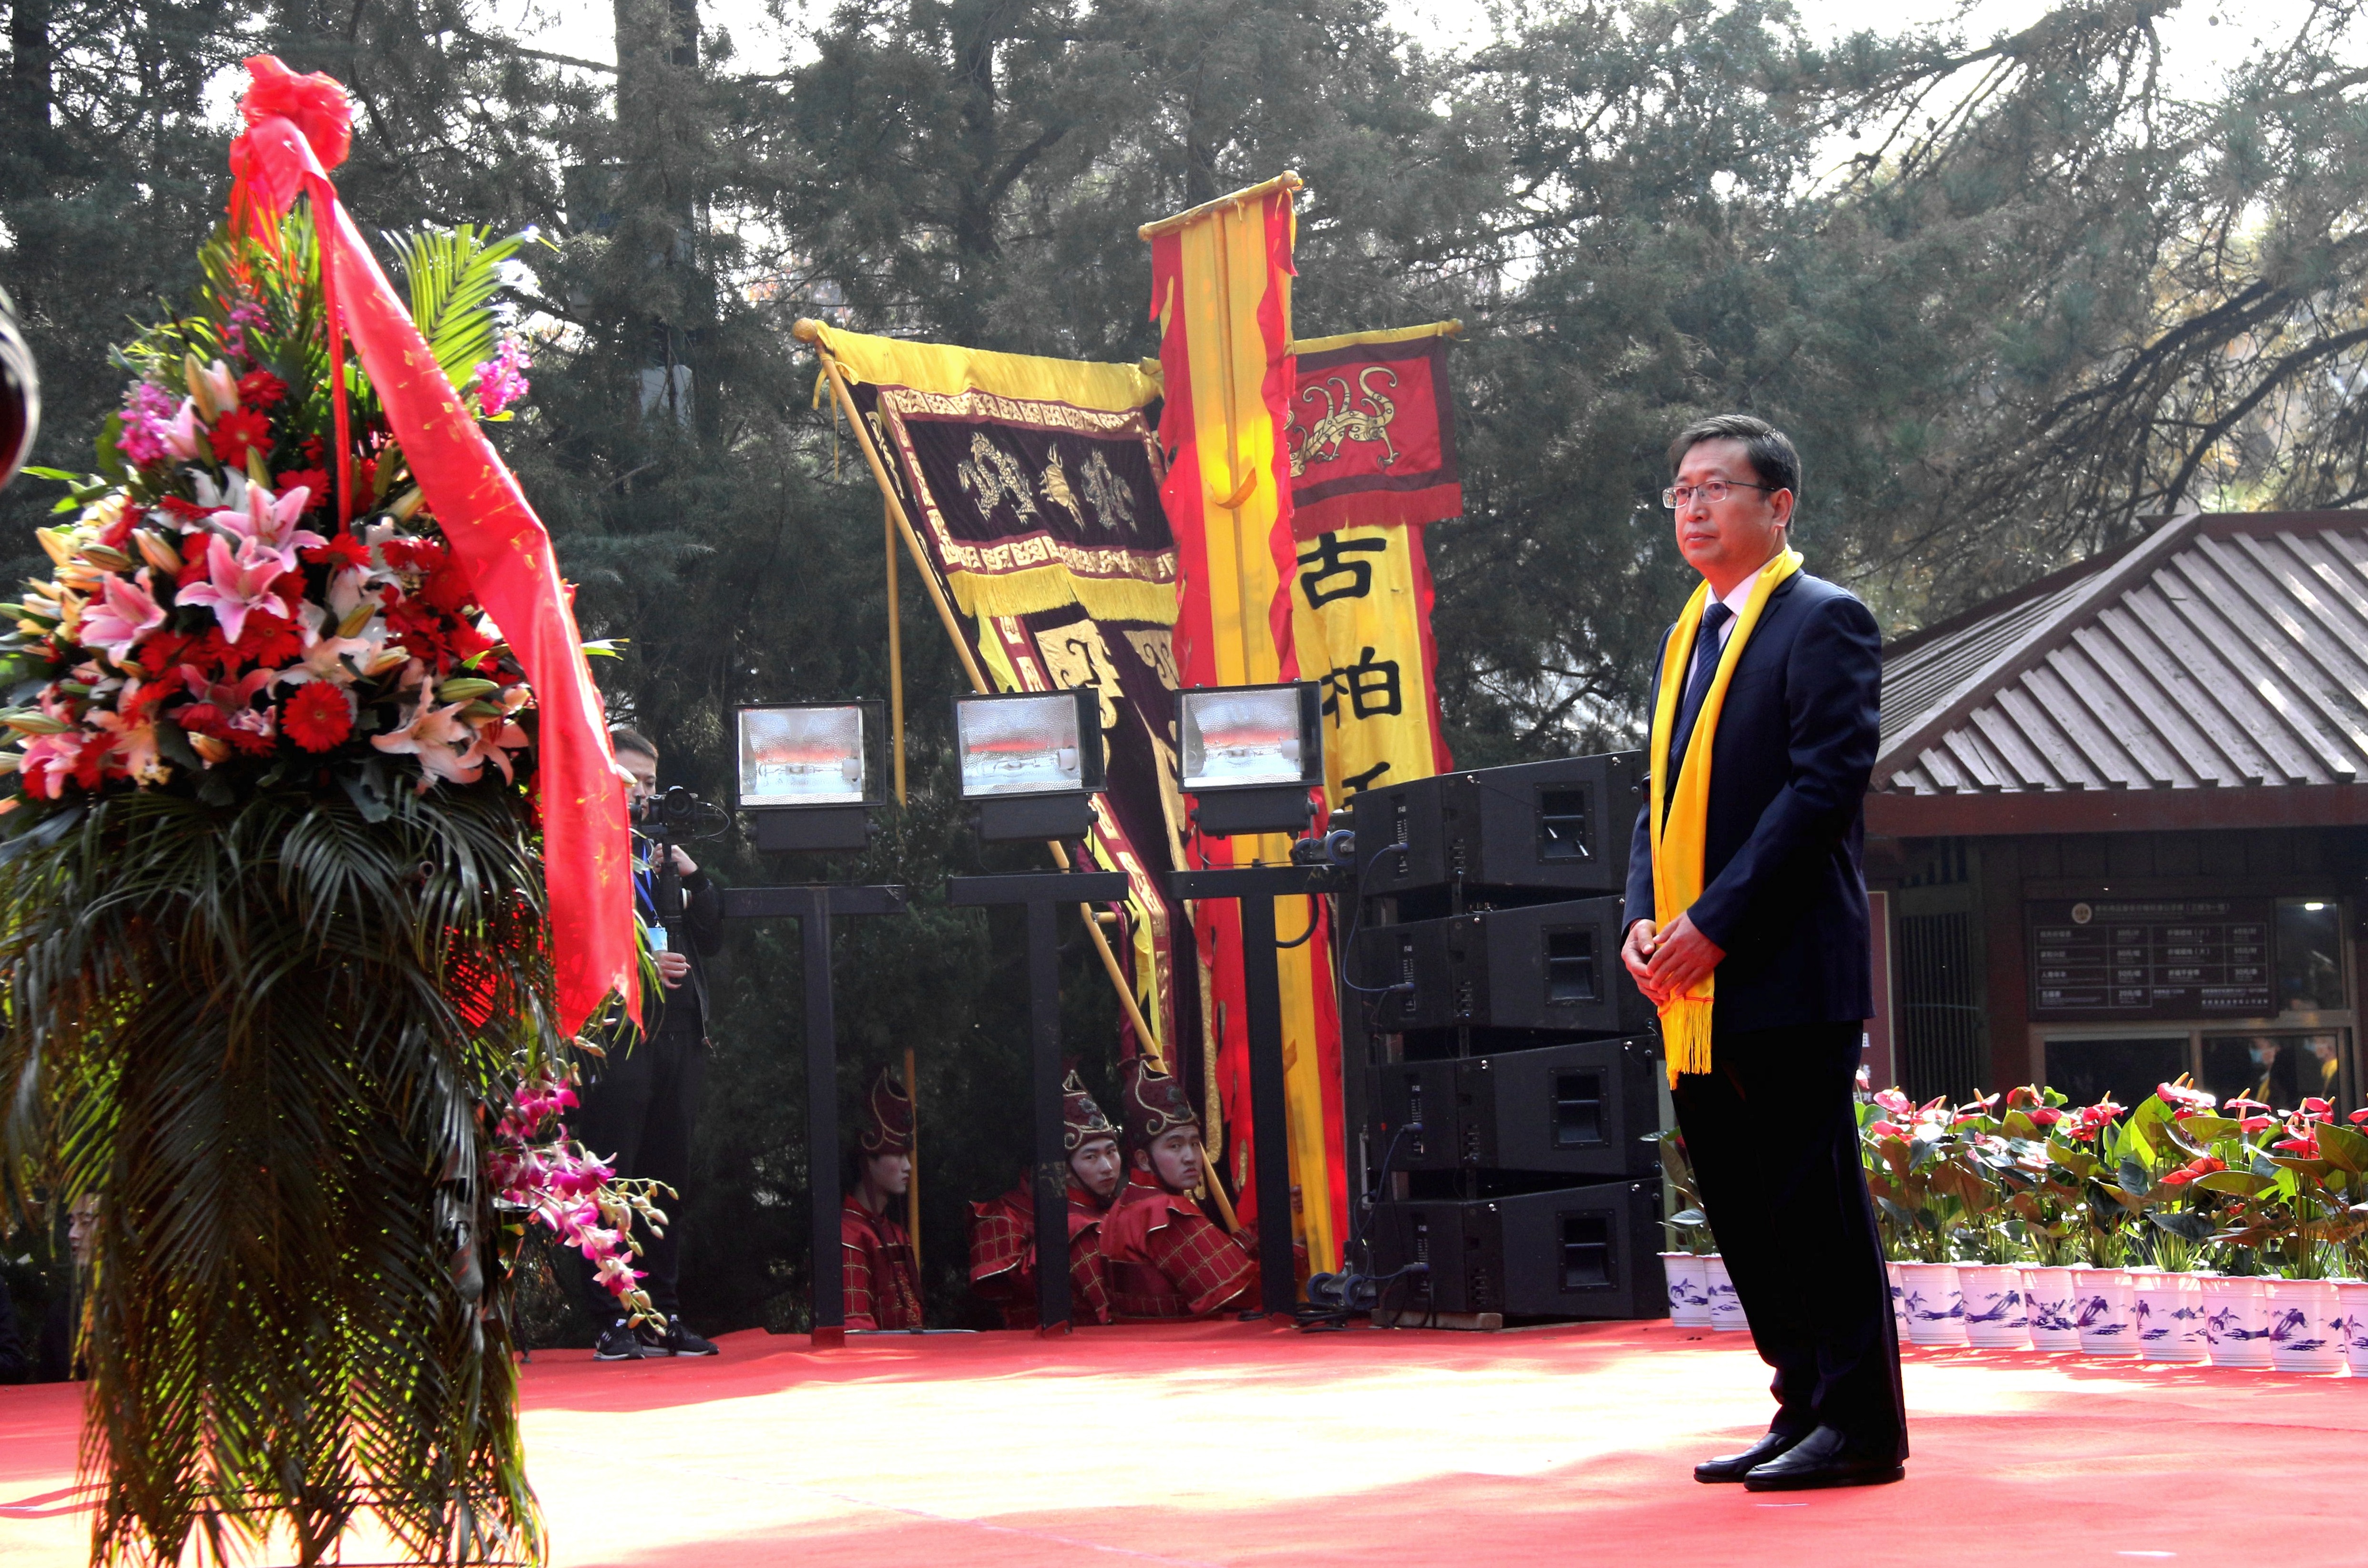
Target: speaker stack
[1487,1005]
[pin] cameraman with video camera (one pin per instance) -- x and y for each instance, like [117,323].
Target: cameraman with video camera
[637,1112]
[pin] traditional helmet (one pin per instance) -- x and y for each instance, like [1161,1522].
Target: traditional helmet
[887,1118]
[1151,1102]
[1081,1121]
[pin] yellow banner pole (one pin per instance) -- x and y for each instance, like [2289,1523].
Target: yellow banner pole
[895,655]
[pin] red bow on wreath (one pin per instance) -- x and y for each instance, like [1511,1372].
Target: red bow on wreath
[298,129]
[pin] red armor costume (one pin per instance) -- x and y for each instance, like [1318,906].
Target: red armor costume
[1003,1230]
[875,1250]
[1167,1259]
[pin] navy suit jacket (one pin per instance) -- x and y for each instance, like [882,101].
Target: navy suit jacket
[1783,892]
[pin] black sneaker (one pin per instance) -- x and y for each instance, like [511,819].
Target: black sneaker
[679,1340]
[621,1342]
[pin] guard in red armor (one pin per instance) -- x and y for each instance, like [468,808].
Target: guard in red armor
[875,1251]
[1003,1230]
[1166,1259]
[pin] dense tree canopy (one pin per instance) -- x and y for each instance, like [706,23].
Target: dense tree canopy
[2012,295]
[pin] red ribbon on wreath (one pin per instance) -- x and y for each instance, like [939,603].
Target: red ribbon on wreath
[298,129]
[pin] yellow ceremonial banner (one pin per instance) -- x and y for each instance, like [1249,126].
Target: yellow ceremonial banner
[1221,294]
[1360,614]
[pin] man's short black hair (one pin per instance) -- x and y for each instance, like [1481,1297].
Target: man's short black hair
[625,738]
[1769,449]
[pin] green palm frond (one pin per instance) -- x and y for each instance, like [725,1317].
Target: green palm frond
[453,276]
[238,1023]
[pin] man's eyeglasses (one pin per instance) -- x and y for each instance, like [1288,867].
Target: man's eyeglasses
[1712,492]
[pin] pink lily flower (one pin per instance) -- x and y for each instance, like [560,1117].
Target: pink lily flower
[217,385]
[435,736]
[183,437]
[125,613]
[136,740]
[231,697]
[238,586]
[269,522]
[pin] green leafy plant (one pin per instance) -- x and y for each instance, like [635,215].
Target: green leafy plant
[1688,1227]
[1923,1177]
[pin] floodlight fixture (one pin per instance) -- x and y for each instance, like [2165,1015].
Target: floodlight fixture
[1031,761]
[806,773]
[1251,755]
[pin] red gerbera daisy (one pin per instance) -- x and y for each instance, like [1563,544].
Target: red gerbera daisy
[314,480]
[261,389]
[345,550]
[238,432]
[319,717]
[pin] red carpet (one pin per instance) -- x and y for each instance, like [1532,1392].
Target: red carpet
[1236,1444]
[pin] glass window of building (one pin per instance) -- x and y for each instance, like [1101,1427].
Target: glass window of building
[2309,955]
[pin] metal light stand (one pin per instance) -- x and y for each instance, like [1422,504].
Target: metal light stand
[1258,887]
[813,906]
[1042,892]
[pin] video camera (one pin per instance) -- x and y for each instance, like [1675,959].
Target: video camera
[671,816]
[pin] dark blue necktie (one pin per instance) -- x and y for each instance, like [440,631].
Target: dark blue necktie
[1705,666]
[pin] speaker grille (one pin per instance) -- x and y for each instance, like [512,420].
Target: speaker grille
[1578,1108]
[1570,967]
[1562,825]
[1586,1258]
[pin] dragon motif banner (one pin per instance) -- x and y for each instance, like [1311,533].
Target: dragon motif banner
[1361,591]
[1372,431]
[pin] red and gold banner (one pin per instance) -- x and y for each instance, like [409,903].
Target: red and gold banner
[1221,294]
[1361,597]
[1372,431]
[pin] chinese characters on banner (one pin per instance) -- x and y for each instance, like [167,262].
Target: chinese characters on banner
[1032,486]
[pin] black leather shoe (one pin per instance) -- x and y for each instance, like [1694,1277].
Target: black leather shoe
[1825,1458]
[1735,1467]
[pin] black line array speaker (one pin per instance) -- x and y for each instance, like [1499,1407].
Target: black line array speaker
[1544,966]
[1562,826]
[1584,1252]
[1581,1108]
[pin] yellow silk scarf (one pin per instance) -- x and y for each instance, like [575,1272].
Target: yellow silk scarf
[1679,826]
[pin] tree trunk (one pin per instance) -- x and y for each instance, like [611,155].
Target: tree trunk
[31,91]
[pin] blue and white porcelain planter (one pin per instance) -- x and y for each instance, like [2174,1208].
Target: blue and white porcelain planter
[1898,1296]
[1726,1306]
[2352,1303]
[1689,1289]
[1936,1312]
[2306,1332]
[2100,1305]
[2170,1312]
[1996,1316]
[2049,1294]
[2235,1324]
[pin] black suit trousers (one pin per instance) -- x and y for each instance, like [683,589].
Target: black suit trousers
[1773,1139]
[637,1114]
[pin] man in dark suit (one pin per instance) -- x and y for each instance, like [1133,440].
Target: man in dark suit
[1780,928]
